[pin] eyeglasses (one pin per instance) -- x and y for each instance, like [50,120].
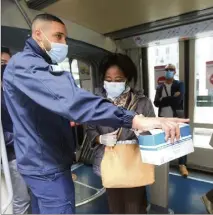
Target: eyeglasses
[171,70]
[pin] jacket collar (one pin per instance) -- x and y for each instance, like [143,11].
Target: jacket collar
[32,45]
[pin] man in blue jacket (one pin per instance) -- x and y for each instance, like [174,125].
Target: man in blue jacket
[169,99]
[21,198]
[42,99]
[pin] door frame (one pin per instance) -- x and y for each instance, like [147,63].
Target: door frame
[202,158]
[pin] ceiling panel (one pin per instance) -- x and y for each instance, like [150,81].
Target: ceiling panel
[106,16]
[193,30]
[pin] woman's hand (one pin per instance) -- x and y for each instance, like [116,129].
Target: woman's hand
[109,139]
[169,125]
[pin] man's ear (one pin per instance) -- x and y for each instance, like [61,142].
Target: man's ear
[38,35]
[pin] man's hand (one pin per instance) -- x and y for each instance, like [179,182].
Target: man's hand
[169,125]
[176,94]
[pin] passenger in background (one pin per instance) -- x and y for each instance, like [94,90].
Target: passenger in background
[208,197]
[169,99]
[208,201]
[118,71]
[21,199]
[5,57]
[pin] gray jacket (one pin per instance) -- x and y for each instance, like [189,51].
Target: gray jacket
[144,106]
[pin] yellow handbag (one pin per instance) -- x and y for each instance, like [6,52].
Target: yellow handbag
[122,166]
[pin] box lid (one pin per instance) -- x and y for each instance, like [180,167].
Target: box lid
[157,137]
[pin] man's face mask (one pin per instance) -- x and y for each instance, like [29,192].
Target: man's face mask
[114,89]
[169,74]
[58,51]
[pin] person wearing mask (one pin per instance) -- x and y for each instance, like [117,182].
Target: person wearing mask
[42,99]
[169,99]
[208,197]
[5,57]
[117,72]
[21,198]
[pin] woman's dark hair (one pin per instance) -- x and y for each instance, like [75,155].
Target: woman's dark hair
[123,62]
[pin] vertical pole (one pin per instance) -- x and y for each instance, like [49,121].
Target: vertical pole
[159,190]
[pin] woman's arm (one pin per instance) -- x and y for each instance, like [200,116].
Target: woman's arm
[93,136]
[145,107]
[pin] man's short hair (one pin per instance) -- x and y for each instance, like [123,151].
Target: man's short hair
[170,66]
[47,17]
[5,50]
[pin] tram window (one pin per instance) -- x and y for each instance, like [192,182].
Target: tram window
[161,55]
[65,65]
[75,72]
[204,91]
[82,74]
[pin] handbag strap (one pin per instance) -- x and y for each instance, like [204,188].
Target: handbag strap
[131,106]
[164,86]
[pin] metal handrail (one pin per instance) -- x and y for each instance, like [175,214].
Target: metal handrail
[5,167]
[24,14]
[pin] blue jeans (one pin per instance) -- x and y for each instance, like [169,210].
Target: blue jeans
[52,194]
[182,160]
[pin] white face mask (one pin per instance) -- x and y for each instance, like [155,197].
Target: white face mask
[114,89]
[58,51]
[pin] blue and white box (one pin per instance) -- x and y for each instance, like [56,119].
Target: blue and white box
[155,150]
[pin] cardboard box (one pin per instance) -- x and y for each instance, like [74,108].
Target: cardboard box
[155,150]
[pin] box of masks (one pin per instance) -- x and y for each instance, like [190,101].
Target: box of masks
[155,150]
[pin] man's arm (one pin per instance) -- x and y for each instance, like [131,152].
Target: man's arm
[174,101]
[93,135]
[59,94]
[157,101]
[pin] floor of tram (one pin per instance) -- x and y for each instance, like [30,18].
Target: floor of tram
[184,194]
